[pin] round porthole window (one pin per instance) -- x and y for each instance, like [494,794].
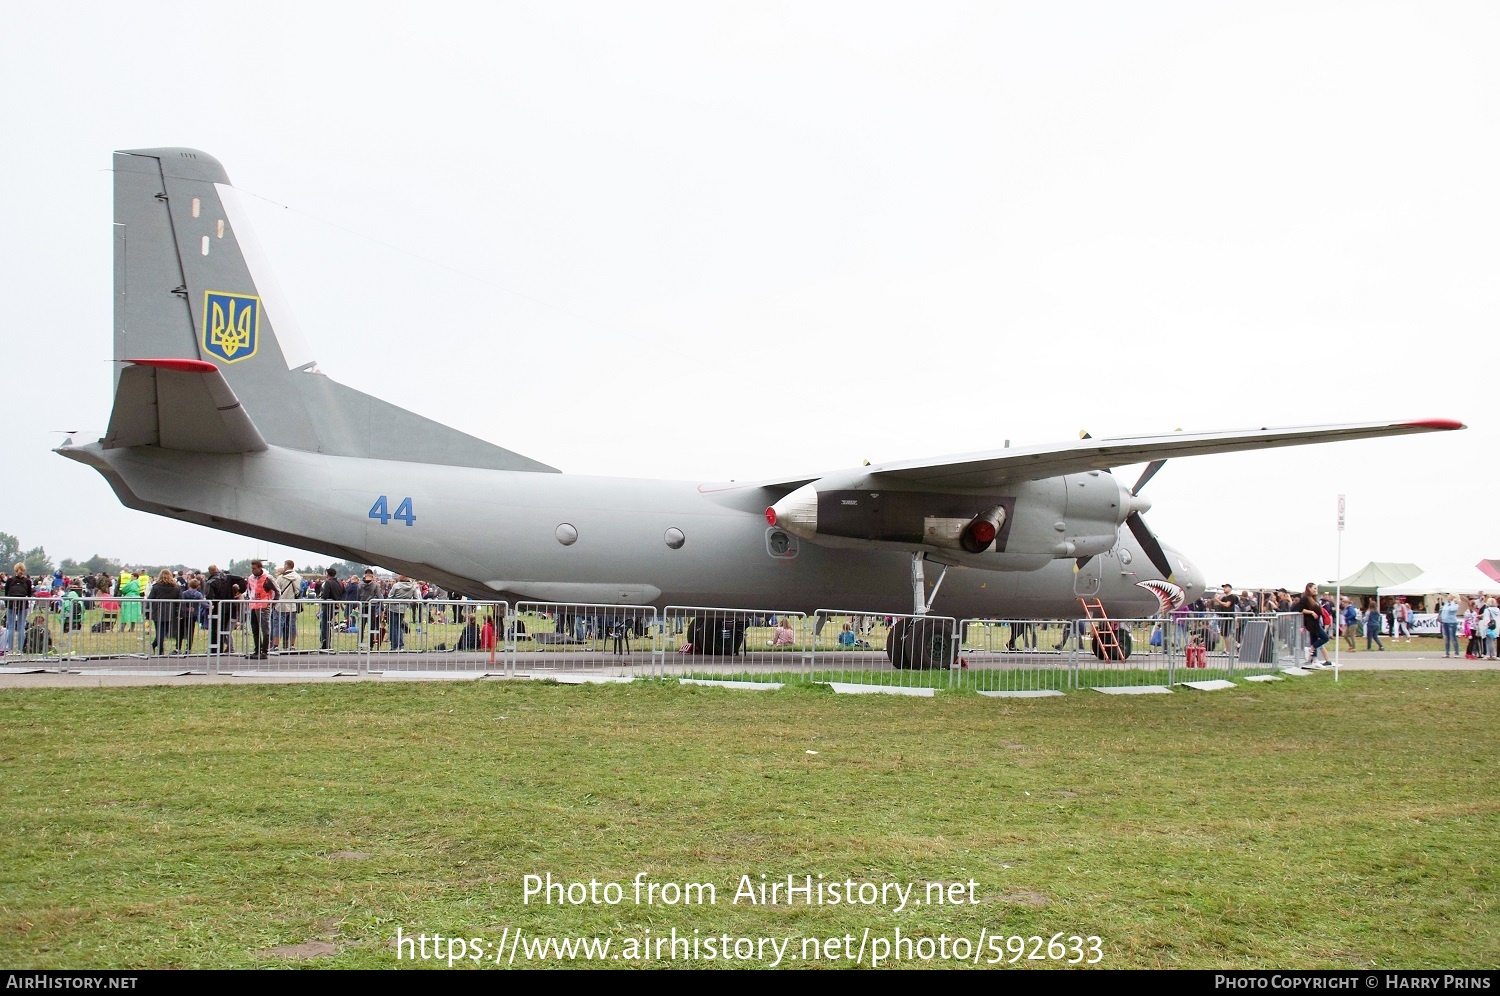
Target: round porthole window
[674,538]
[1125,557]
[566,534]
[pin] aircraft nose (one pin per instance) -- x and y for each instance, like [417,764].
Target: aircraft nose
[1185,573]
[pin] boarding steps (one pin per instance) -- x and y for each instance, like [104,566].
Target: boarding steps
[1106,636]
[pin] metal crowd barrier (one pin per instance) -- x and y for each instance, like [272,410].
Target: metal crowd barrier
[740,645]
[381,636]
[541,639]
[105,632]
[1017,656]
[595,640]
[1166,652]
[883,650]
[310,636]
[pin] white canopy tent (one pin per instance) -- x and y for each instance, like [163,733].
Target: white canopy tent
[1376,577]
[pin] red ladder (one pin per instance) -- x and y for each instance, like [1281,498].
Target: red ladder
[1106,643]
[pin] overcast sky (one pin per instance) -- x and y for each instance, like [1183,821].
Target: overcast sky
[731,241]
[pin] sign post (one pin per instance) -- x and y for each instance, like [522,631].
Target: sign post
[1337,593]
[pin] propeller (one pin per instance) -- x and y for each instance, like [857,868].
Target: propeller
[1150,545]
[1143,535]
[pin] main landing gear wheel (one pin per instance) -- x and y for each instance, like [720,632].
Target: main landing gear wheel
[1122,637]
[920,644]
[716,637]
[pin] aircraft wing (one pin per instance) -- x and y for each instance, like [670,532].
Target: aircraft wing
[1030,463]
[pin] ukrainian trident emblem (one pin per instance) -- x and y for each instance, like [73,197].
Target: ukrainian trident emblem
[231,325]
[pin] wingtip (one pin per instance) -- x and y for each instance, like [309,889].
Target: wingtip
[1437,424]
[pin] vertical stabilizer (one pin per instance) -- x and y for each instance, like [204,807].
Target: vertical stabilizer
[190,283]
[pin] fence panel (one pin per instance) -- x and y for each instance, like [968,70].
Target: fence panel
[1016,655]
[584,638]
[1184,648]
[886,650]
[748,645]
[352,637]
[104,633]
[439,636]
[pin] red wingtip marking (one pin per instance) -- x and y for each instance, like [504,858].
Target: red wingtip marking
[1435,423]
[770,516]
[182,366]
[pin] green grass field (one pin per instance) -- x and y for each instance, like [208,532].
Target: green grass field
[1294,824]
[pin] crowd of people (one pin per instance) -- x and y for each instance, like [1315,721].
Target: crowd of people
[176,604]
[1475,617]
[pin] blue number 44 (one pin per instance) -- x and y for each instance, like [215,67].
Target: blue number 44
[403,513]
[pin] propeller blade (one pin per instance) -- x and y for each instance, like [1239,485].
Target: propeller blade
[1150,472]
[1082,562]
[1149,544]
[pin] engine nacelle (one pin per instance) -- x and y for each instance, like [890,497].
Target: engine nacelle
[1041,520]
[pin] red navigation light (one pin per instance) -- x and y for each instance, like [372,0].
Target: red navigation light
[983,533]
[771,516]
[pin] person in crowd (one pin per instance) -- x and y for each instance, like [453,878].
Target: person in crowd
[487,635]
[1312,611]
[1471,628]
[193,610]
[785,635]
[402,596]
[222,590]
[331,595]
[1489,627]
[38,636]
[73,608]
[437,607]
[469,638]
[18,590]
[1448,622]
[165,611]
[131,590]
[370,618]
[1372,622]
[284,613]
[1227,604]
[1348,621]
[351,599]
[259,595]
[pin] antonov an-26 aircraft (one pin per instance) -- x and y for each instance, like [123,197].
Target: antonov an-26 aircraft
[219,421]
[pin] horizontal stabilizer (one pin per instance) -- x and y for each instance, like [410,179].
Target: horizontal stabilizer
[179,404]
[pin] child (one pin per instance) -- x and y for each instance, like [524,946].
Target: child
[1372,624]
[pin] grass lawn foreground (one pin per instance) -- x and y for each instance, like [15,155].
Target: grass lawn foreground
[1294,824]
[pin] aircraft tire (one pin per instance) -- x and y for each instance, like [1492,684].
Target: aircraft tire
[1122,637]
[920,644]
[895,645]
[712,639]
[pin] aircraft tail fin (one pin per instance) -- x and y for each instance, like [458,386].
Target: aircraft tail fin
[191,285]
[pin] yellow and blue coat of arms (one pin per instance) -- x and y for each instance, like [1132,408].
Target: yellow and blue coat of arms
[231,325]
